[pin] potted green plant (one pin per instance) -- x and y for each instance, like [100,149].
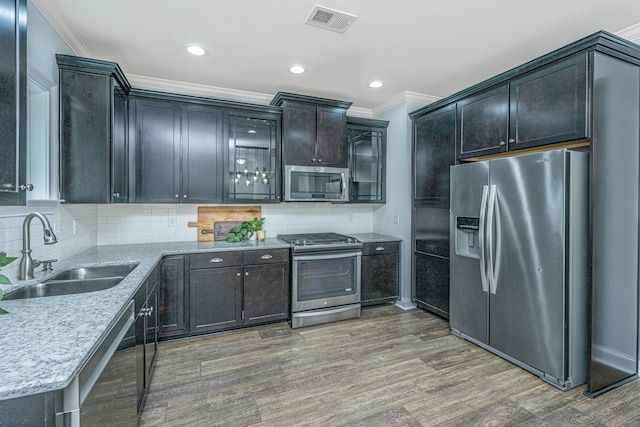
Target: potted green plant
[4,280]
[245,231]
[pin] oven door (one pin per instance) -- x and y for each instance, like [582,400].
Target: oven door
[326,279]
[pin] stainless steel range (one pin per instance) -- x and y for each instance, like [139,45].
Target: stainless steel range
[325,276]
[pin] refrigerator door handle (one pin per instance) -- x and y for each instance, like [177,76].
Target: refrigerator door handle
[491,220]
[481,239]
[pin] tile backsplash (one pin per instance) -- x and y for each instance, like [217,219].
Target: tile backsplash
[121,224]
[79,227]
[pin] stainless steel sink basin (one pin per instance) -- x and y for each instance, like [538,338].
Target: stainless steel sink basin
[75,281]
[96,272]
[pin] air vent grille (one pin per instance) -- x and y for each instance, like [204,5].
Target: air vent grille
[330,19]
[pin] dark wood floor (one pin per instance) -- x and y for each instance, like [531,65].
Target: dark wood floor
[389,368]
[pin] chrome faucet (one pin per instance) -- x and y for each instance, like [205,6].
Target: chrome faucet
[26,263]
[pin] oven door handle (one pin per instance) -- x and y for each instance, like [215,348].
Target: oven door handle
[326,255]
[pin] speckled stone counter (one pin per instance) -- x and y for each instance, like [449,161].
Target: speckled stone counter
[375,237]
[45,342]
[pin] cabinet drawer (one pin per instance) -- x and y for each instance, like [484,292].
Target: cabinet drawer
[215,259]
[266,256]
[380,248]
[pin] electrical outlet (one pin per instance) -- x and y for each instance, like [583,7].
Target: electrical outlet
[173,221]
[350,217]
[75,226]
[396,219]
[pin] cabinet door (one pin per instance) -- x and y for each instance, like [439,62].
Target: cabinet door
[215,300]
[366,164]
[298,134]
[483,120]
[331,145]
[85,137]
[432,283]
[172,298]
[202,161]
[380,278]
[252,158]
[549,105]
[158,151]
[13,101]
[266,293]
[433,153]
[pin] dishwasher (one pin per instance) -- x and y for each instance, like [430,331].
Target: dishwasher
[104,393]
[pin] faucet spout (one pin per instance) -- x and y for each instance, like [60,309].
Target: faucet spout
[26,263]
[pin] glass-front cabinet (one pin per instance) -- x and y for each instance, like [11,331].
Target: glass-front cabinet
[367,140]
[253,157]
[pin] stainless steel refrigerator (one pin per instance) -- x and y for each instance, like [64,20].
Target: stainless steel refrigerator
[519,232]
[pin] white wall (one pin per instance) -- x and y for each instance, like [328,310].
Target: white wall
[399,199]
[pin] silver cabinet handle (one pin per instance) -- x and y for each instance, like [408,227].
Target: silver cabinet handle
[319,160]
[28,187]
[184,197]
[217,260]
[313,160]
[511,141]
[177,196]
[150,311]
[380,248]
[238,274]
[503,143]
[267,256]
[116,194]
[246,273]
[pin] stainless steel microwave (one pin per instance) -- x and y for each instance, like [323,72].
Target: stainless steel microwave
[315,184]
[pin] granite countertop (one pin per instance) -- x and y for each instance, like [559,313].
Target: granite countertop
[46,341]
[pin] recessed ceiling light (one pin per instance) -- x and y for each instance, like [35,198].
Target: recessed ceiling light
[297,69]
[196,50]
[375,84]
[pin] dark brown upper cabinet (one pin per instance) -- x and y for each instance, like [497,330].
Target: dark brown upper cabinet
[549,105]
[545,106]
[13,102]
[178,151]
[434,141]
[252,152]
[94,150]
[367,140]
[483,122]
[314,130]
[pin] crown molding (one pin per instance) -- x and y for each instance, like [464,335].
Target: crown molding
[55,18]
[153,83]
[631,33]
[366,113]
[401,98]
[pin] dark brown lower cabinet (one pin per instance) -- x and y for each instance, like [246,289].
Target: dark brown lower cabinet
[223,290]
[215,299]
[432,283]
[266,293]
[380,272]
[173,298]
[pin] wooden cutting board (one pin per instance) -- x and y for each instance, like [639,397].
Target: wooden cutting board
[209,215]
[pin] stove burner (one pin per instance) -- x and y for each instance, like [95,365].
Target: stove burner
[312,239]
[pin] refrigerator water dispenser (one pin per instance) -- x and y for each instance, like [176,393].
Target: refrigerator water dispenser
[466,243]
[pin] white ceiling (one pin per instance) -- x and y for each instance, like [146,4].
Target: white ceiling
[427,47]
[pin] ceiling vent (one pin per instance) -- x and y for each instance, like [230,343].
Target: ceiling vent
[330,19]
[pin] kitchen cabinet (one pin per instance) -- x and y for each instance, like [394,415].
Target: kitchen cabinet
[173,292]
[178,151]
[266,293]
[431,257]
[13,102]
[367,141]
[434,142]
[380,276]
[146,334]
[232,289]
[252,166]
[94,150]
[545,106]
[314,130]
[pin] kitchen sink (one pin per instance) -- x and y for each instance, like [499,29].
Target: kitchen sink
[75,281]
[96,272]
